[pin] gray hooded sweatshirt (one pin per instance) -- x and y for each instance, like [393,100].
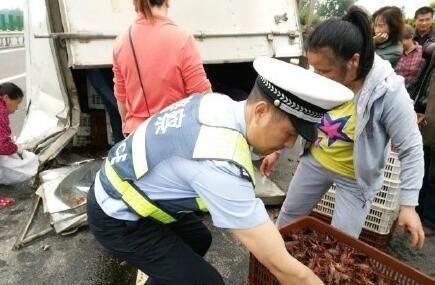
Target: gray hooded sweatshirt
[385,113]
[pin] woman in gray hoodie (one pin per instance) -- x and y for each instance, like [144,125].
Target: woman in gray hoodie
[353,140]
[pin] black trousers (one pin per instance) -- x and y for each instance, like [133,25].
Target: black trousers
[426,200]
[170,254]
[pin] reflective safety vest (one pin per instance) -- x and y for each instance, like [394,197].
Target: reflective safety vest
[192,129]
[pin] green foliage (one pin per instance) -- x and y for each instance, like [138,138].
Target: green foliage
[409,21]
[303,17]
[333,8]
[432,4]
[324,9]
[11,20]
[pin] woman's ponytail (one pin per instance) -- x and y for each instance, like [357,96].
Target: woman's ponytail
[360,19]
[144,6]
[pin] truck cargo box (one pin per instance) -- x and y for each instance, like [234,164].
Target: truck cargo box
[64,37]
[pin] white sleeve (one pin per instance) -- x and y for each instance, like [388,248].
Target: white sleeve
[230,198]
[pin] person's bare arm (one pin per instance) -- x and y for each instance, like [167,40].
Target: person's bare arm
[122,111]
[266,243]
[268,163]
[119,89]
[205,92]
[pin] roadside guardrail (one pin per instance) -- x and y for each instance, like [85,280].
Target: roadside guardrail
[11,39]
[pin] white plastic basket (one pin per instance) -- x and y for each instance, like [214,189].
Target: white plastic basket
[79,141]
[94,99]
[110,140]
[83,136]
[388,196]
[392,168]
[380,219]
[84,131]
[385,206]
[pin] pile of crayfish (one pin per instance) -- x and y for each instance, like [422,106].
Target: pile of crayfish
[334,262]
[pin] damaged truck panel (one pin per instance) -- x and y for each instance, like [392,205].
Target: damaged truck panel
[50,102]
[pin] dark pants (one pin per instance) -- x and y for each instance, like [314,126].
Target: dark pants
[426,200]
[169,254]
[101,81]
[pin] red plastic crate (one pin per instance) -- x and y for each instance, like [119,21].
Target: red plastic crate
[375,239]
[381,262]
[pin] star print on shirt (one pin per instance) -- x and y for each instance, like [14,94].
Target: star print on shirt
[333,129]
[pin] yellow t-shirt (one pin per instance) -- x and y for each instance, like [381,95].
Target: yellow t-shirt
[333,148]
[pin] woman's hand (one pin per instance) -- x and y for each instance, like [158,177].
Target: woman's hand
[268,163]
[421,120]
[409,221]
[380,38]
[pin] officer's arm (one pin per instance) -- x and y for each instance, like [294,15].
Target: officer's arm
[266,243]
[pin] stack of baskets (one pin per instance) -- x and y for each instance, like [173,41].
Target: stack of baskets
[379,223]
[94,99]
[110,140]
[96,103]
[83,136]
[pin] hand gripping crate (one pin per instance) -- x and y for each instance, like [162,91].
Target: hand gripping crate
[392,268]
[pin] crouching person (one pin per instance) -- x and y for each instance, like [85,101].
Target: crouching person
[195,155]
[16,164]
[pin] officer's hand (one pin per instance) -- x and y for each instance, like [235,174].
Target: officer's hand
[268,163]
[409,221]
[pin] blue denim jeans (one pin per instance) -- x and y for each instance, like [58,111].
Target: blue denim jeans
[98,78]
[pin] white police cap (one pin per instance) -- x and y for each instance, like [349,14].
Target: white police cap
[304,95]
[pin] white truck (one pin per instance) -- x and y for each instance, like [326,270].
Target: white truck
[63,37]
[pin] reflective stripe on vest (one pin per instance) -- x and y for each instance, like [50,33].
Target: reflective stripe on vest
[215,143]
[134,199]
[212,143]
[201,205]
[219,143]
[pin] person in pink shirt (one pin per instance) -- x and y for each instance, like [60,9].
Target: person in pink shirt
[16,165]
[155,64]
[10,97]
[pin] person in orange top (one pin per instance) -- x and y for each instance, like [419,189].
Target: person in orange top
[155,64]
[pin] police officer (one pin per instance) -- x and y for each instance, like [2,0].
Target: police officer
[195,155]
